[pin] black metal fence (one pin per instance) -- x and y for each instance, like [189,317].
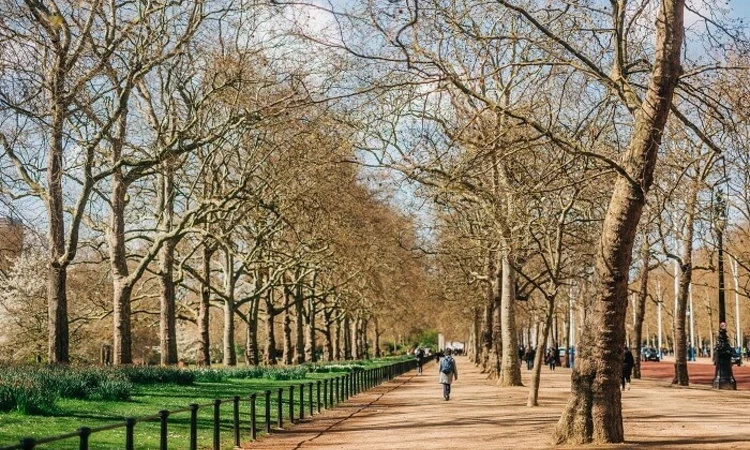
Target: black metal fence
[327,393]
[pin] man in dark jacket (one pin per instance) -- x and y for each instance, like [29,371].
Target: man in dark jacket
[627,367]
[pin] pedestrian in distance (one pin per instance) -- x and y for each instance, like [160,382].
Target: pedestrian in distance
[448,373]
[550,358]
[627,367]
[419,354]
[528,355]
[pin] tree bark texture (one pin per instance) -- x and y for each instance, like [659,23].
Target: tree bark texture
[540,354]
[167,312]
[594,410]
[299,325]
[230,353]
[204,308]
[681,376]
[640,309]
[269,354]
[252,350]
[310,330]
[510,370]
[287,355]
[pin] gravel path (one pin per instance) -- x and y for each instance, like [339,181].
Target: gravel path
[409,413]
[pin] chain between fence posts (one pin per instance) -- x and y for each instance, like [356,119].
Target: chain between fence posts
[236,410]
[253,424]
[85,432]
[279,411]
[194,426]
[217,420]
[163,416]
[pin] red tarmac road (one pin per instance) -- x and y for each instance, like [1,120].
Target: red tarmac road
[701,372]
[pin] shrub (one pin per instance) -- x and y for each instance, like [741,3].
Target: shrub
[294,373]
[153,374]
[28,395]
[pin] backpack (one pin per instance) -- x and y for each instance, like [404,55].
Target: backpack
[446,365]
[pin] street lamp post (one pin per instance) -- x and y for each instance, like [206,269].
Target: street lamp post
[724,379]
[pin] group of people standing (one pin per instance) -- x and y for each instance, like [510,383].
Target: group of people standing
[551,356]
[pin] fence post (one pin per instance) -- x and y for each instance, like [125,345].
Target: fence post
[85,433]
[268,412]
[217,420]
[194,426]
[338,389]
[163,415]
[279,419]
[28,443]
[318,393]
[301,401]
[253,423]
[129,428]
[310,397]
[325,393]
[236,402]
[291,404]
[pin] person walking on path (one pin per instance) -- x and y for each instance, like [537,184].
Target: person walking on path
[528,355]
[627,367]
[448,373]
[419,354]
[550,358]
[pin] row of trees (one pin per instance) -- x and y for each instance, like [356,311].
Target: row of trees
[203,152]
[186,165]
[555,140]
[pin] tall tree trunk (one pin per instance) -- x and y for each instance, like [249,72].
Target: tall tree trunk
[310,329]
[594,411]
[204,308]
[57,296]
[337,350]
[57,314]
[533,399]
[269,354]
[377,337]
[122,286]
[364,347]
[327,334]
[287,355]
[167,312]
[681,376]
[252,351]
[299,322]
[347,337]
[122,343]
[640,309]
[486,342]
[167,316]
[230,353]
[510,370]
[354,338]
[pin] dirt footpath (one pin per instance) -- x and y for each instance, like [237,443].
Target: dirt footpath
[409,413]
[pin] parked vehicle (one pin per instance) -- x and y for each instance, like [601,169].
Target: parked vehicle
[650,354]
[736,357]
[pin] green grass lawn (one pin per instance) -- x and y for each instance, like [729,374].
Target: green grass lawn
[147,400]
